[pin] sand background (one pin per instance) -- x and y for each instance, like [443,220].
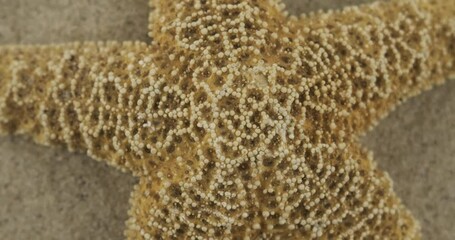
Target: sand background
[47,193]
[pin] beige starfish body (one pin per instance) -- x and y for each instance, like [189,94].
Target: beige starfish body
[239,121]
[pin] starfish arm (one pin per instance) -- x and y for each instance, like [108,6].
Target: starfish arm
[185,22]
[73,95]
[349,198]
[378,55]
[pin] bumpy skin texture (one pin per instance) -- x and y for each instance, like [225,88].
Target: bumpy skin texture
[239,121]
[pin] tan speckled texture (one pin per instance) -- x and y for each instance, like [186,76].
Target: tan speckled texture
[50,194]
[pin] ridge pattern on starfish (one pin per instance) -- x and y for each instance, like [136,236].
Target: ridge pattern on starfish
[239,121]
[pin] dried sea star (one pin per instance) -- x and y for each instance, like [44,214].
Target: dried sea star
[239,121]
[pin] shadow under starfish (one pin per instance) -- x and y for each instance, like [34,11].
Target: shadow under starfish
[238,120]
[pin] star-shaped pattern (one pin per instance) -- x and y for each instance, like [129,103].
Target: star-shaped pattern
[239,121]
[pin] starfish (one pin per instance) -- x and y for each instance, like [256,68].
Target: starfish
[239,120]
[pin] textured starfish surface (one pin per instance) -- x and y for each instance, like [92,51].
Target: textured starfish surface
[239,121]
